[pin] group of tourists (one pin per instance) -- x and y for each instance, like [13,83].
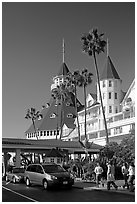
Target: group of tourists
[103,174]
[128,173]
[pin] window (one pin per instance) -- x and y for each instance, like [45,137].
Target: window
[52,160]
[47,105]
[120,129]
[54,132]
[40,133]
[109,95]
[116,109]
[104,84]
[115,95]
[89,103]
[67,104]
[57,132]
[44,133]
[53,115]
[47,133]
[51,133]
[109,132]
[33,168]
[39,169]
[110,84]
[70,115]
[110,109]
[58,160]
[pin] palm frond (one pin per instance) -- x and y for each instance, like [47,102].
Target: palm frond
[93,42]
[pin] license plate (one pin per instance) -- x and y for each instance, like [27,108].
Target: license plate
[65,182]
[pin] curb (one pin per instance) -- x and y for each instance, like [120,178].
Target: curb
[103,189]
[111,191]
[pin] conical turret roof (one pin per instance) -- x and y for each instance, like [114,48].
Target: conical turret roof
[63,70]
[109,71]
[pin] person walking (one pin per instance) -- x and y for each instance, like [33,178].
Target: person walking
[124,170]
[131,171]
[111,175]
[98,171]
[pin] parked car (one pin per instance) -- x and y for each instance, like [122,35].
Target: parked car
[48,175]
[15,175]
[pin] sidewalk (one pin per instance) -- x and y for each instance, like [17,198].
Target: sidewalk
[89,185]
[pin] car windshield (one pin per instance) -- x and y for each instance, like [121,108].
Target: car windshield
[53,168]
[18,170]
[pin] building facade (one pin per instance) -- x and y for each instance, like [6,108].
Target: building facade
[119,110]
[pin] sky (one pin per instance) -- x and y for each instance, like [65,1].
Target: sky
[32,34]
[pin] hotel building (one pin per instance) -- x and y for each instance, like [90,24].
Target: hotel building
[119,109]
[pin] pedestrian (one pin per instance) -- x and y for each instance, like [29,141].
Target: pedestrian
[111,175]
[98,171]
[124,170]
[131,171]
[74,170]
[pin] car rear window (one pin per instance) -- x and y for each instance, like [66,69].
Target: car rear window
[18,170]
[53,168]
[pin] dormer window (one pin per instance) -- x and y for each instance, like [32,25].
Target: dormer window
[67,104]
[57,104]
[70,115]
[40,117]
[47,105]
[53,115]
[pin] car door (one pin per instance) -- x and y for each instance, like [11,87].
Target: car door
[39,175]
[32,173]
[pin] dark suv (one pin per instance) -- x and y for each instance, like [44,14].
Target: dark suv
[47,175]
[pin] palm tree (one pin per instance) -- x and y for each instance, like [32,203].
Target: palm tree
[84,81]
[72,81]
[61,94]
[93,43]
[32,114]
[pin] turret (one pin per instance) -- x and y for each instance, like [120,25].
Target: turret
[62,72]
[110,83]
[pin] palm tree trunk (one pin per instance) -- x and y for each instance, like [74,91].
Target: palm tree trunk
[98,81]
[5,164]
[34,129]
[57,121]
[61,118]
[85,112]
[77,113]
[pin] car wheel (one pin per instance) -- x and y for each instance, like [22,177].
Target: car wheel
[14,180]
[45,184]
[28,182]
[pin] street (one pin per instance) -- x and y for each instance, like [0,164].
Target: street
[20,193]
